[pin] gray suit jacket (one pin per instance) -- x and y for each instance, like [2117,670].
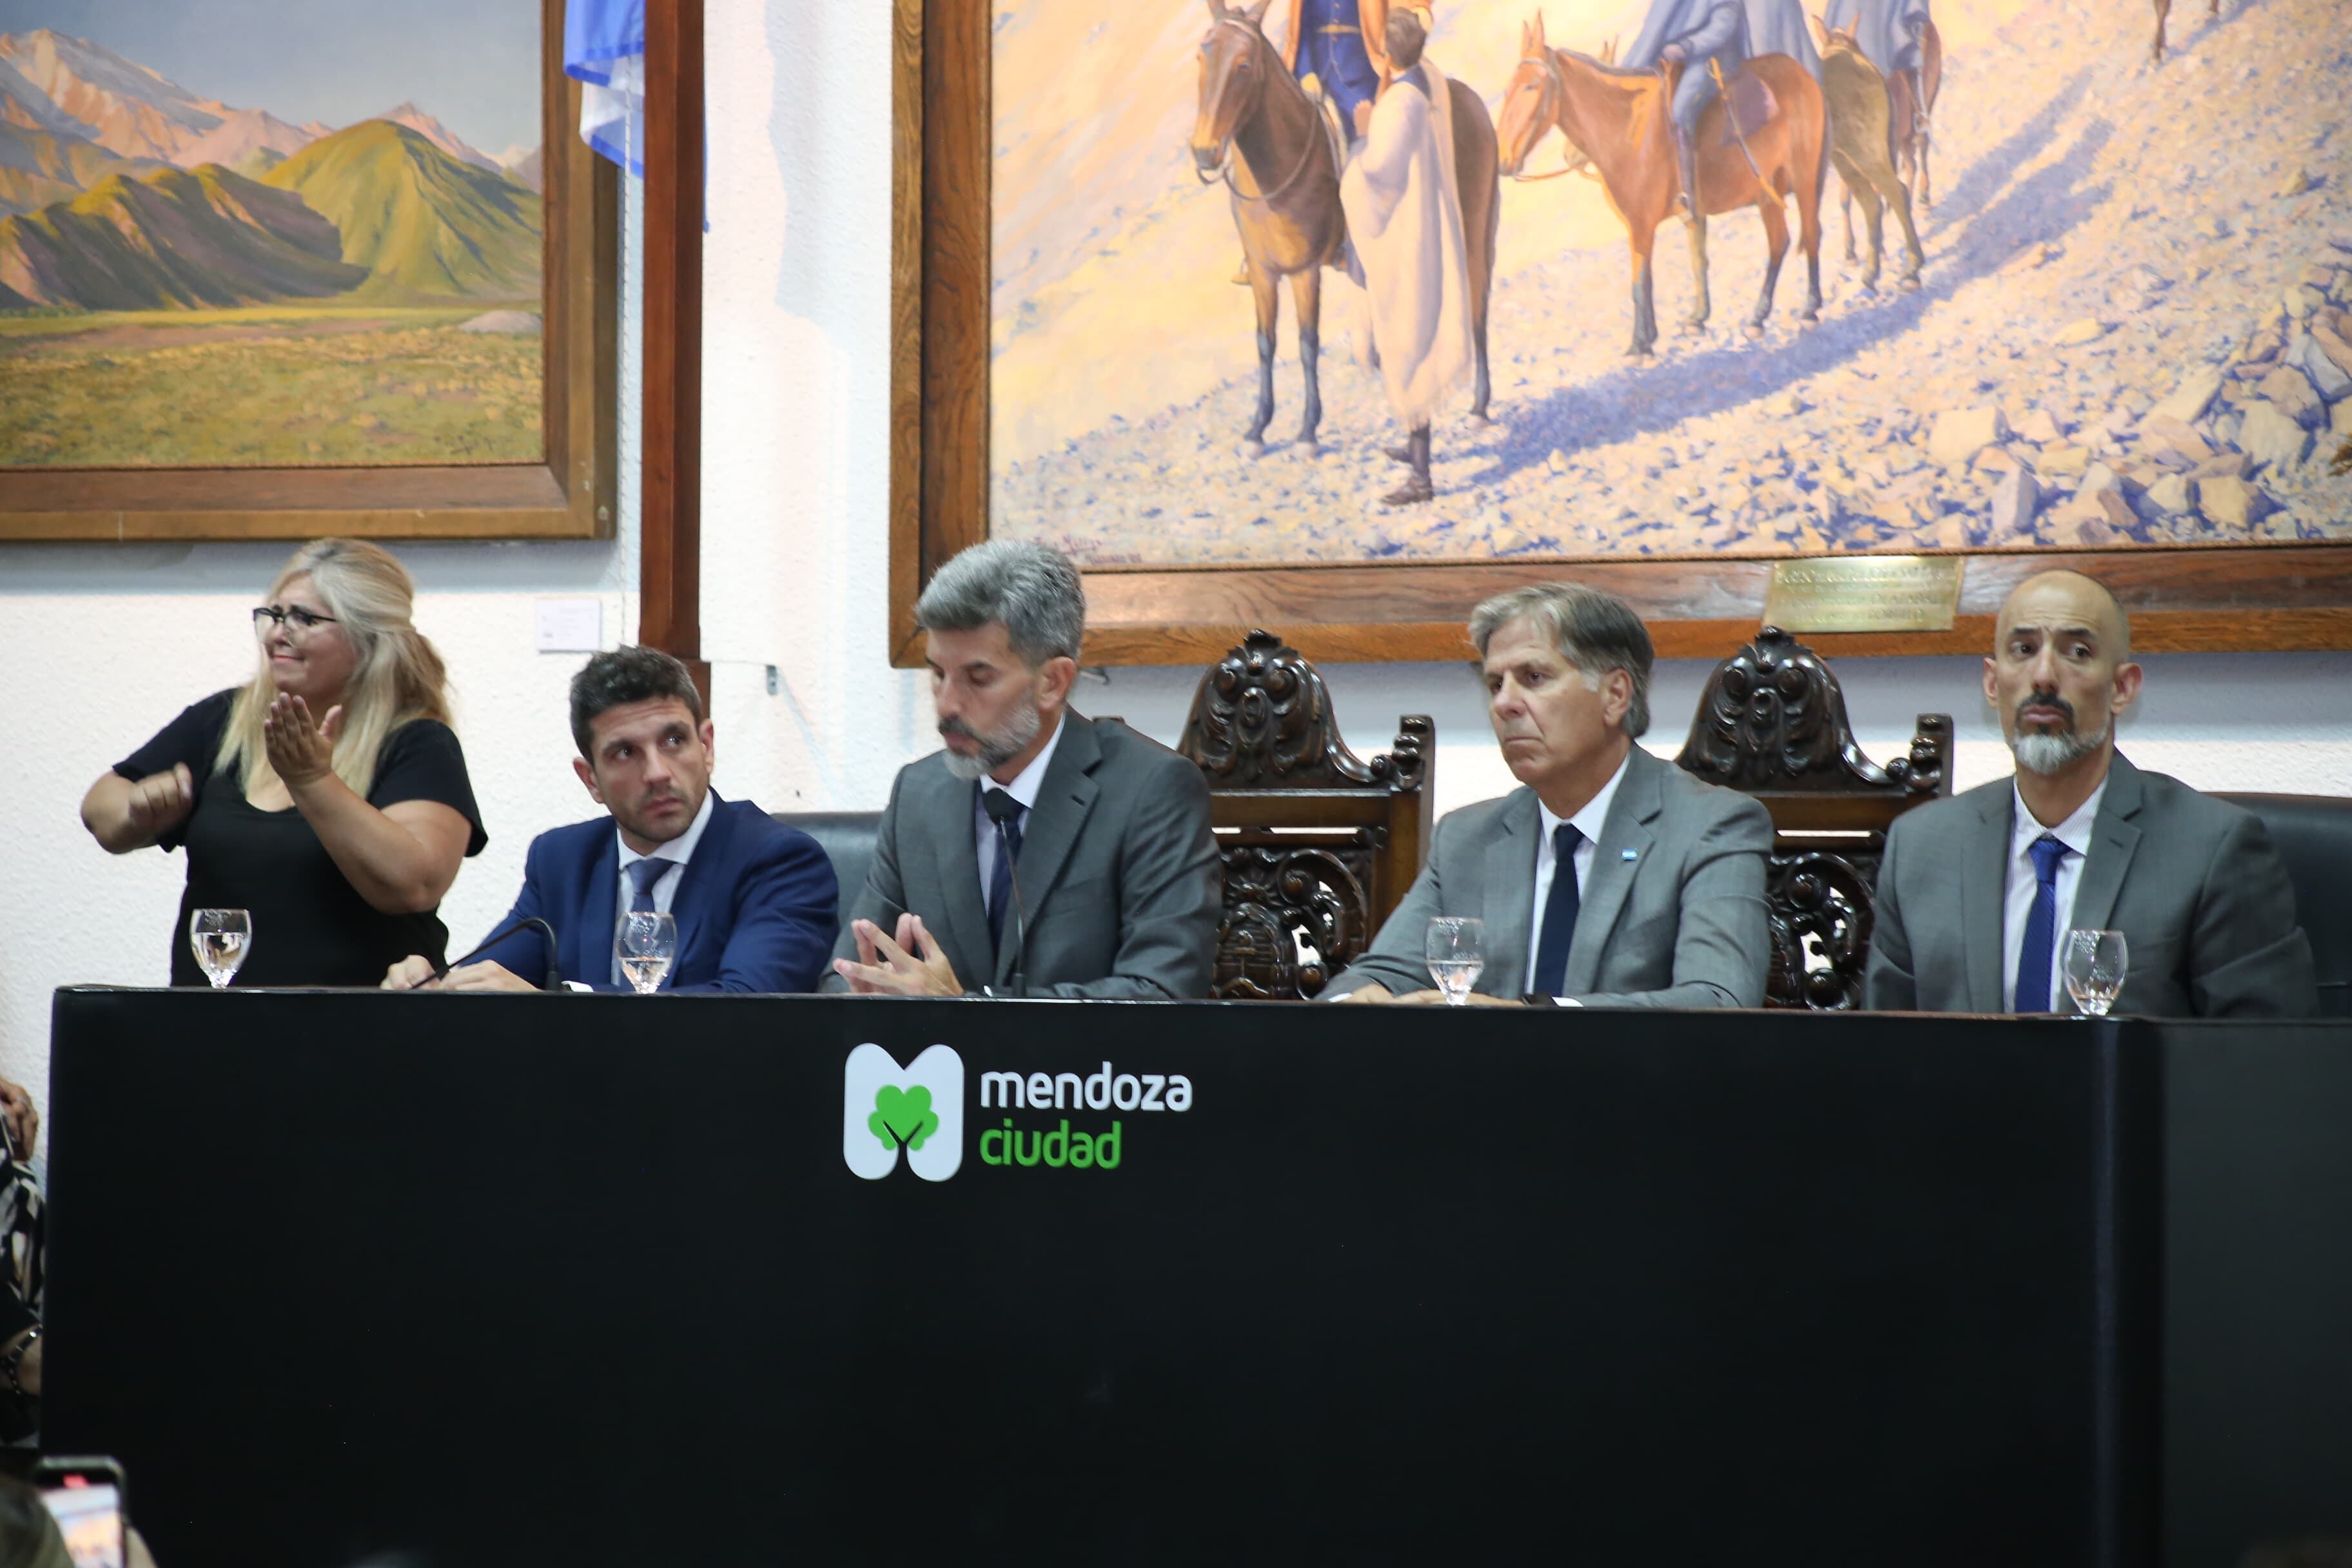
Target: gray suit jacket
[2194,885]
[1119,872]
[1672,915]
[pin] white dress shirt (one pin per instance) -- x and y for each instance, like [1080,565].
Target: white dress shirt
[1589,821]
[1026,787]
[680,849]
[2074,833]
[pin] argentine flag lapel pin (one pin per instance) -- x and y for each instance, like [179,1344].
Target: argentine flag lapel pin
[1630,854]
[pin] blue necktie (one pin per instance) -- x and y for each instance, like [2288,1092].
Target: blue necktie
[642,875]
[1560,914]
[999,879]
[2041,929]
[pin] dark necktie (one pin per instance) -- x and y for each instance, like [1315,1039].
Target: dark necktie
[2032,994]
[1000,876]
[1560,914]
[642,875]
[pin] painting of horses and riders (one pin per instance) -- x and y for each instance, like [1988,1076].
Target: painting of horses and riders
[269,233]
[1998,274]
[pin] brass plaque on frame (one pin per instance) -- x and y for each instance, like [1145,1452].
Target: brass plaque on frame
[1865,594]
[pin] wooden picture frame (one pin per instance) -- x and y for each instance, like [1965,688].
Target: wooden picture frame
[568,495]
[2198,597]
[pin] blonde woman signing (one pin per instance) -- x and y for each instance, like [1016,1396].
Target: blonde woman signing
[328,796]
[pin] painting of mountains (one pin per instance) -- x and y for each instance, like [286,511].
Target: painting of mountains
[288,274]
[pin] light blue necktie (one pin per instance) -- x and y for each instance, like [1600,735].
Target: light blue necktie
[2040,928]
[642,875]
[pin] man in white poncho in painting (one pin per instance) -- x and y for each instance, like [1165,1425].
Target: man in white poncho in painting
[1404,220]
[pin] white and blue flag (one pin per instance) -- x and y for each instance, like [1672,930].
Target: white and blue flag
[604,49]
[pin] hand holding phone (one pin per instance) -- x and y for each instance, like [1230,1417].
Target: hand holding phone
[86,1496]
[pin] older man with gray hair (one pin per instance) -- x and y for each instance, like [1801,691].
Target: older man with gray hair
[1041,854]
[1609,879]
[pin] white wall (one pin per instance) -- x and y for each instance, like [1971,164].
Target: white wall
[101,645]
[796,387]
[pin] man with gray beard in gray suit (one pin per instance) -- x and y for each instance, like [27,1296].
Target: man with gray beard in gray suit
[1041,853]
[1977,893]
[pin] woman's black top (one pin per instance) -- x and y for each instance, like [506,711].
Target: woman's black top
[311,927]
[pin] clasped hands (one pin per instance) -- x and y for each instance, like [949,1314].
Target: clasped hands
[912,964]
[1378,994]
[415,972]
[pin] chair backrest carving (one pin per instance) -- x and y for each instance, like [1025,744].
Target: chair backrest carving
[1773,723]
[1318,845]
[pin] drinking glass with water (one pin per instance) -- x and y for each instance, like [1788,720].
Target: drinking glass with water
[2097,961]
[646,940]
[1456,954]
[220,938]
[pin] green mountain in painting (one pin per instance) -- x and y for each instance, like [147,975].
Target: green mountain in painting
[425,225]
[258,163]
[177,237]
[188,283]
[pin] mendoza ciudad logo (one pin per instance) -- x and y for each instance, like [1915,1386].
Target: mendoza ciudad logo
[920,1110]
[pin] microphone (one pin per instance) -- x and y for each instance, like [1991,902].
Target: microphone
[554,981]
[1005,813]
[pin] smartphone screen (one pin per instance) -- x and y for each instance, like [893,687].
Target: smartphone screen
[89,1516]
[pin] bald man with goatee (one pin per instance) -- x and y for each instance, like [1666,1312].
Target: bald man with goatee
[1977,893]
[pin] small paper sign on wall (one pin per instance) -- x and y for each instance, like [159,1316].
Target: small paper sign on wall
[568,626]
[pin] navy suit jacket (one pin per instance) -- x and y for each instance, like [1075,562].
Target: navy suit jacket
[755,907]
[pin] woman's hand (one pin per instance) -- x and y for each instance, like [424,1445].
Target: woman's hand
[160,802]
[124,814]
[299,753]
[400,858]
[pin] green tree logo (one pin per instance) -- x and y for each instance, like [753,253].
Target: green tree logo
[886,1107]
[902,1116]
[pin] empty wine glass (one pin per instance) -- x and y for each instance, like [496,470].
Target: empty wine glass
[645,942]
[2097,961]
[1456,954]
[220,939]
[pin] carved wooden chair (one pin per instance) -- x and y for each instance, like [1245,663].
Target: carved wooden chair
[1774,724]
[1318,845]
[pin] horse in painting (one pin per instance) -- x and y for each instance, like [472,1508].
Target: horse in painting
[1617,120]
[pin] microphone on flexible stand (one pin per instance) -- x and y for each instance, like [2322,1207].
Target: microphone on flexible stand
[554,970]
[1005,813]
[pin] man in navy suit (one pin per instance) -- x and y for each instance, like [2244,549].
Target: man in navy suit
[755,902]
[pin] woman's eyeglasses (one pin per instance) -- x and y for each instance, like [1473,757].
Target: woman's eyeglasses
[296,620]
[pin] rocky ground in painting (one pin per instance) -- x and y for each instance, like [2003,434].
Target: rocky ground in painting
[2136,324]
